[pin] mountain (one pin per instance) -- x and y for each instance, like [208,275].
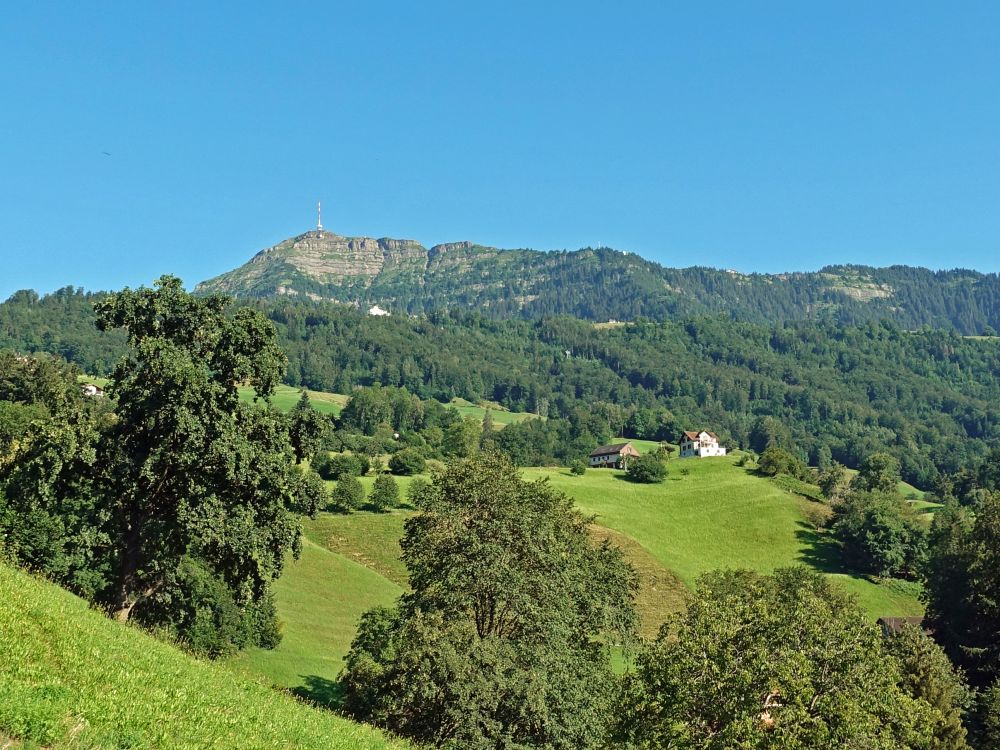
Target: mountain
[601,284]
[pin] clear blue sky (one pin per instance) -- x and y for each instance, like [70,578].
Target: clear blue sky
[762,136]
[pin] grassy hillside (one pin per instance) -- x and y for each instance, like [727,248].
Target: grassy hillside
[709,514]
[501,416]
[320,598]
[712,514]
[285,397]
[70,677]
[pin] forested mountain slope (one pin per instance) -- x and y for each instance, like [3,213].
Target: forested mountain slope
[821,388]
[601,284]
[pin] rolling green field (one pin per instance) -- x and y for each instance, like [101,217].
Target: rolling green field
[320,598]
[72,678]
[709,514]
[501,417]
[712,514]
[285,397]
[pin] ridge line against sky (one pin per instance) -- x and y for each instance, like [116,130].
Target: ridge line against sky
[773,136]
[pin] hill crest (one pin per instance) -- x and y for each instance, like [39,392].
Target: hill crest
[600,284]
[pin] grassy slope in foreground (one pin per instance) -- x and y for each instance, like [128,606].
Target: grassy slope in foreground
[321,596]
[70,677]
[718,515]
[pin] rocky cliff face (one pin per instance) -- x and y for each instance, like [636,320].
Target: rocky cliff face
[319,258]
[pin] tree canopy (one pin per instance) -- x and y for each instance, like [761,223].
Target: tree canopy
[181,500]
[771,661]
[503,640]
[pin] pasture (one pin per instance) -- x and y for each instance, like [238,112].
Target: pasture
[709,514]
[72,678]
[712,514]
[501,416]
[285,397]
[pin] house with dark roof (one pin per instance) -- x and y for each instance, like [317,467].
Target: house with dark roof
[895,625]
[615,456]
[700,444]
[93,390]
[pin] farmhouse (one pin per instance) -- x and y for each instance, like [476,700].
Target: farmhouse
[92,389]
[895,625]
[614,456]
[700,444]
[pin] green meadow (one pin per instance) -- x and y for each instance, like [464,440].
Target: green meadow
[501,416]
[320,598]
[72,678]
[285,397]
[710,513]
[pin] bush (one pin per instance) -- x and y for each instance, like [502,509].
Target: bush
[417,487]
[338,465]
[348,495]
[385,493]
[880,534]
[434,466]
[198,609]
[310,493]
[578,467]
[776,461]
[407,462]
[648,469]
[364,464]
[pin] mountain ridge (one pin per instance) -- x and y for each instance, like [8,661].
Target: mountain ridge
[600,284]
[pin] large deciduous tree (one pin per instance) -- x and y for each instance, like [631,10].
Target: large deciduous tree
[771,661]
[187,468]
[503,641]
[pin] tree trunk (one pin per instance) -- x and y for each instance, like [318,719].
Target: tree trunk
[128,595]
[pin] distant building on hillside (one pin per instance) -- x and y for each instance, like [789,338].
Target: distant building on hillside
[700,444]
[614,456]
[93,390]
[895,625]
[377,311]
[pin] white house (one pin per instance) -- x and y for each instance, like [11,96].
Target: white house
[700,444]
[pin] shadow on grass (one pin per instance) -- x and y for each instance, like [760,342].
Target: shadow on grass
[821,551]
[320,691]
[622,477]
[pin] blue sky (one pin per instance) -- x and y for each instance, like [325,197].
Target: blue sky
[761,136]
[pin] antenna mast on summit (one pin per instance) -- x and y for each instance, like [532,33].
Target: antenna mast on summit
[319,216]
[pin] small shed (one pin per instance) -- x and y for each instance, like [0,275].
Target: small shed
[615,456]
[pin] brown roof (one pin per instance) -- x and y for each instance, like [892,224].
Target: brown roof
[694,435]
[610,450]
[894,625]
